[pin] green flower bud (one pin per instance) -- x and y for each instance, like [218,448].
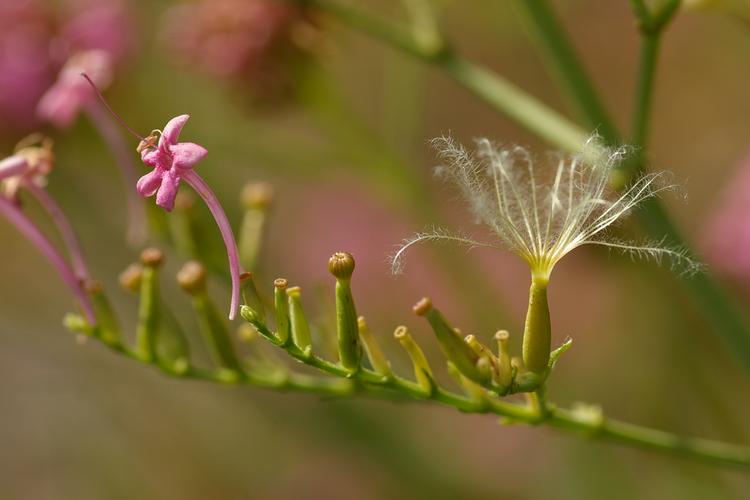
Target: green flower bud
[299,325]
[422,370]
[192,278]
[341,265]
[451,343]
[281,303]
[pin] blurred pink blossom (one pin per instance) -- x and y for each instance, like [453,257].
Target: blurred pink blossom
[25,67]
[105,25]
[726,239]
[63,101]
[233,38]
[36,42]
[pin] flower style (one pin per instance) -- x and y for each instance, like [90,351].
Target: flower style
[170,160]
[542,214]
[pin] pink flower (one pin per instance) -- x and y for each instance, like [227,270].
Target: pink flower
[26,69]
[30,164]
[61,104]
[98,24]
[727,235]
[170,160]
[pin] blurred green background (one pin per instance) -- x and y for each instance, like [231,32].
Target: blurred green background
[348,157]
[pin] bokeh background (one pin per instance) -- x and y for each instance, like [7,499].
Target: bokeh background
[340,128]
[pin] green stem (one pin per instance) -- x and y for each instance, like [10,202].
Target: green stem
[499,92]
[567,66]
[367,382]
[644,91]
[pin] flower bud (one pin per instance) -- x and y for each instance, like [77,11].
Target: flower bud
[256,199]
[281,303]
[257,195]
[299,325]
[152,257]
[504,370]
[149,305]
[130,278]
[422,370]
[451,343]
[192,277]
[341,265]
[378,361]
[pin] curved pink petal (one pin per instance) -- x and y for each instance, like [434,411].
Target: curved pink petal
[13,166]
[172,130]
[149,183]
[167,192]
[187,154]
[60,104]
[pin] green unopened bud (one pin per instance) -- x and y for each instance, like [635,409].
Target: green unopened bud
[537,335]
[251,316]
[152,257]
[451,343]
[378,361]
[422,370]
[149,305]
[300,327]
[281,304]
[130,278]
[504,372]
[192,279]
[77,324]
[341,265]
[257,195]
[107,328]
[256,198]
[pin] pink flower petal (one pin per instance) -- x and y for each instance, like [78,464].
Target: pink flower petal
[149,183]
[60,104]
[187,154]
[13,166]
[172,130]
[167,192]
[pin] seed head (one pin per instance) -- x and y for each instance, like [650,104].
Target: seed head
[541,211]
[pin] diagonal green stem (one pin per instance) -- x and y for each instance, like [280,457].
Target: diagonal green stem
[567,66]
